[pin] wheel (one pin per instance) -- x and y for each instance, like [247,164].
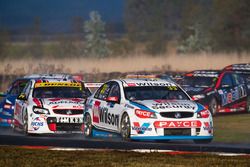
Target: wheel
[248,105]
[203,141]
[25,123]
[88,127]
[125,127]
[213,106]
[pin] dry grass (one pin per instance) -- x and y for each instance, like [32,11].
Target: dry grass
[11,156]
[131,63]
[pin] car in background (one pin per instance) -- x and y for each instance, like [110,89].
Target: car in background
[9,97]
[219,91]
[150,77]
[244,71]
[50,106]
[139,109]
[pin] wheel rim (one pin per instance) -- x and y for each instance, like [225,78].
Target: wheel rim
[87,126]
[125,127]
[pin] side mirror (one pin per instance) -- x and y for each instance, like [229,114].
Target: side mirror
[113,99]
[22,96]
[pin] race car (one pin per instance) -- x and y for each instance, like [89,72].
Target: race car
[50,106]
[219,91]
[7,102]
[140,109]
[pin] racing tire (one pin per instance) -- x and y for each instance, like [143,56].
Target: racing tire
[248,105]
[88,127]
[25,124]
[213,106]
[203,141]
[125,127]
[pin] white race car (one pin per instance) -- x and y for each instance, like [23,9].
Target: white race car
[50,106]
[140,109]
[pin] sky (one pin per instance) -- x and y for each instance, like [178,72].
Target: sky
[56,15]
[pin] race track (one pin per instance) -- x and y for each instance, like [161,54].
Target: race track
[8,137]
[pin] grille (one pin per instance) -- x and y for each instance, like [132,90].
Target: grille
[68,127]
[173,114]
[177,132]
[68,111]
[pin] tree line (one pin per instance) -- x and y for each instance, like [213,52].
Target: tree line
[150,25]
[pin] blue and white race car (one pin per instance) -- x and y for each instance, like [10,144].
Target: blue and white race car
[140,109]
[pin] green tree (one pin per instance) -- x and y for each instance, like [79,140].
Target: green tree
[231,25]
[95,36]
[195,31]
[146,22]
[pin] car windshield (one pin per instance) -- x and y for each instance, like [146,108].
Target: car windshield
[154,93]
[198,81]
[57,92]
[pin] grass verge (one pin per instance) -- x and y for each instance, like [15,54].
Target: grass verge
[232,128]
[11,156]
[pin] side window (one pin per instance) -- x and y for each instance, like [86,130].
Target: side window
[115,91]
[103,91]
[26,89]
[17,87]
[226,81]
[237,80]
[14,90]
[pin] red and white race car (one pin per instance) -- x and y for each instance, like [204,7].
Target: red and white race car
[50,106]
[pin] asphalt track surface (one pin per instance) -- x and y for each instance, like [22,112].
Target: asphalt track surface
[8,137]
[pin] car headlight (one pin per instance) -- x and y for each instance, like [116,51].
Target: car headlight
[38,110]
[145,114]
[203,114]
[197,97]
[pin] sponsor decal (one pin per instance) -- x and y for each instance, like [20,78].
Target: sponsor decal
[152,84]
[232,95]
[177,124]
[69,120]
[166,105]
[37,123]
[65,102]
[143,113]
[206,126]
[58,84]
[141,129]
[108,118]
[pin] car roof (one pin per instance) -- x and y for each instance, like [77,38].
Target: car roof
[48,76]
[203,73]
[146,82]
[238,68]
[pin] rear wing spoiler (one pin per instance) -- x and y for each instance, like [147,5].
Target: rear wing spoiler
[92,86]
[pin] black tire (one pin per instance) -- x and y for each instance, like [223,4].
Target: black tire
[248,104]
[203,141]
[213,106]
[125,127]
[88,127]
[25,124]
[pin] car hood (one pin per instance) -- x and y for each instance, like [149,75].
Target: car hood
[194,90]
[60,103]
[168,105]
